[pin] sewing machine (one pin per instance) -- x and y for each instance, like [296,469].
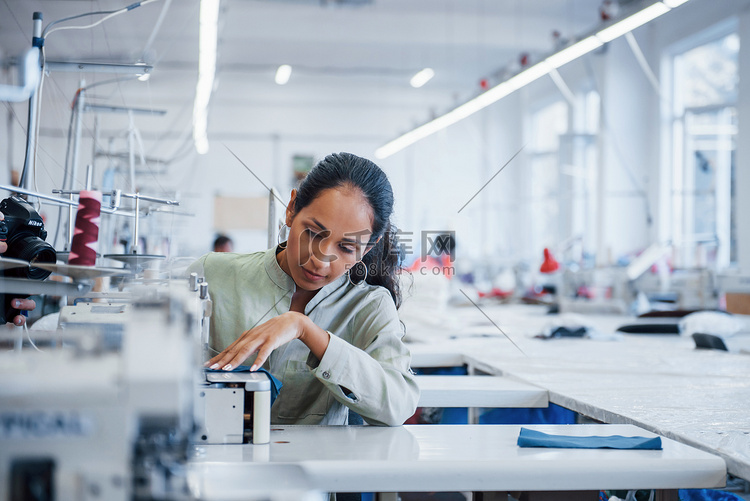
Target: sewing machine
[104,409]
[236,408]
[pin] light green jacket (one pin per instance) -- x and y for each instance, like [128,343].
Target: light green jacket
[365,354]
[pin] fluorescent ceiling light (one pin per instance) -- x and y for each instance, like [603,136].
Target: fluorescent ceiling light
[422,77]
[468,108]
[283,73]
[575,51]
[209,20]
[632,22]
[527,76]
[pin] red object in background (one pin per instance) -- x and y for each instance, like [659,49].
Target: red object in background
[607,10]
[432,266]
[523,59]
[484,84]
[550,264]
[495,292]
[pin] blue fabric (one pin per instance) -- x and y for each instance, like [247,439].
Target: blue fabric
[706,495]
[532,438]
[275,383]
[553,414]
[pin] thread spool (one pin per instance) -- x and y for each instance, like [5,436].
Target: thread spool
[86,235]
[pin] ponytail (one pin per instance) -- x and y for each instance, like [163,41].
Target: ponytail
[383,264]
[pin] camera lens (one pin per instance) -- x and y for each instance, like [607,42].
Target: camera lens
[35,249]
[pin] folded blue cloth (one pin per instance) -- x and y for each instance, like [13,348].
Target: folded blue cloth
[275,383]
[532,438]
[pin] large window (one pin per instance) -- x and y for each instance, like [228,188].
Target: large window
[704,131]
[563,156]
[578,166]
[547,125]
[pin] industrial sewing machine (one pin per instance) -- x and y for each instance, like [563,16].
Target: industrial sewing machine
[104,409]
[111,404]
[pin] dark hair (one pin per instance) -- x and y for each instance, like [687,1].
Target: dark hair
[221,240]
[346,169]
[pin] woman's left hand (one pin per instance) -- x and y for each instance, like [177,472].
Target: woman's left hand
[262,339]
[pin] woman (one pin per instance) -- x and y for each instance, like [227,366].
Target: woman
[319,310]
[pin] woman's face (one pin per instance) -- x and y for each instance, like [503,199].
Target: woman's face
[327,237]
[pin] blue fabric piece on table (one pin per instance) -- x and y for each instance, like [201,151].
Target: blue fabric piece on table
[706,495]
[275,383]
[533,438]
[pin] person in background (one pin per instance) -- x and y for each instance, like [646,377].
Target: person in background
[223,244]
[319,311]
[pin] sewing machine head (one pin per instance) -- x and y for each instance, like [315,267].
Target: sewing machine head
[235,407]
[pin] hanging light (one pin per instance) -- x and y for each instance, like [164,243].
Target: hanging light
[422,77]
[208,34]
[283,73]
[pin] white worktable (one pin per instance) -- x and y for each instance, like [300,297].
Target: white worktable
[478,391]
[661,383]
[430,458]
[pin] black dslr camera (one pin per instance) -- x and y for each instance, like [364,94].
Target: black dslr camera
[23,231]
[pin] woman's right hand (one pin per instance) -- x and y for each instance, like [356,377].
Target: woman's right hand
[262,339]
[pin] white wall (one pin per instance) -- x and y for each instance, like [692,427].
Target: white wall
[742,201]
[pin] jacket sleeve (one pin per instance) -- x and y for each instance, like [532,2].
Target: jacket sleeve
[372,376]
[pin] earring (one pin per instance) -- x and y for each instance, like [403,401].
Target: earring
[349,274]
[279,238]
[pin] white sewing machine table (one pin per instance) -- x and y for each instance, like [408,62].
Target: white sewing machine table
[429,458]
[478,391]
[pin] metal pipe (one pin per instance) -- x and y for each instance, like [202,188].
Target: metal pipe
[71,226]
[93,146]
[151,199]
[271,217]
[77,134]
[89,176]
[23,191]
[134,246]
[131,153]
[9,131]
[79,67]
[29,165]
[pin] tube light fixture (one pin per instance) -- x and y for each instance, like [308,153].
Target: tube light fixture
[575,51]
[283,73]
[529,75]
[209,20]
[468,108]
[422,77]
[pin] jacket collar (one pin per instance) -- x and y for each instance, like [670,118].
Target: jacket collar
[285,282]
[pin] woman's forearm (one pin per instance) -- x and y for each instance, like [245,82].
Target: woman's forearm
[315,338]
